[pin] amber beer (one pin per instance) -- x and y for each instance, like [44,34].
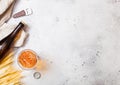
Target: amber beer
[27,59]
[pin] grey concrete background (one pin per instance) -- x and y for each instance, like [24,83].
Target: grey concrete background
[79,39]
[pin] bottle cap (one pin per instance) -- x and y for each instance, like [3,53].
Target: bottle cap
[37,75]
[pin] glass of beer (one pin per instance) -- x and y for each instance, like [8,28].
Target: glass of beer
[27,59]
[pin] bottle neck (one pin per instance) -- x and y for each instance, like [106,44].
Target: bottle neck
[17,29]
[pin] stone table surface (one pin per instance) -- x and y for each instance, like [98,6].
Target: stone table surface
[78,40]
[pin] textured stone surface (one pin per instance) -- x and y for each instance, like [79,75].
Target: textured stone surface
[78,39]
